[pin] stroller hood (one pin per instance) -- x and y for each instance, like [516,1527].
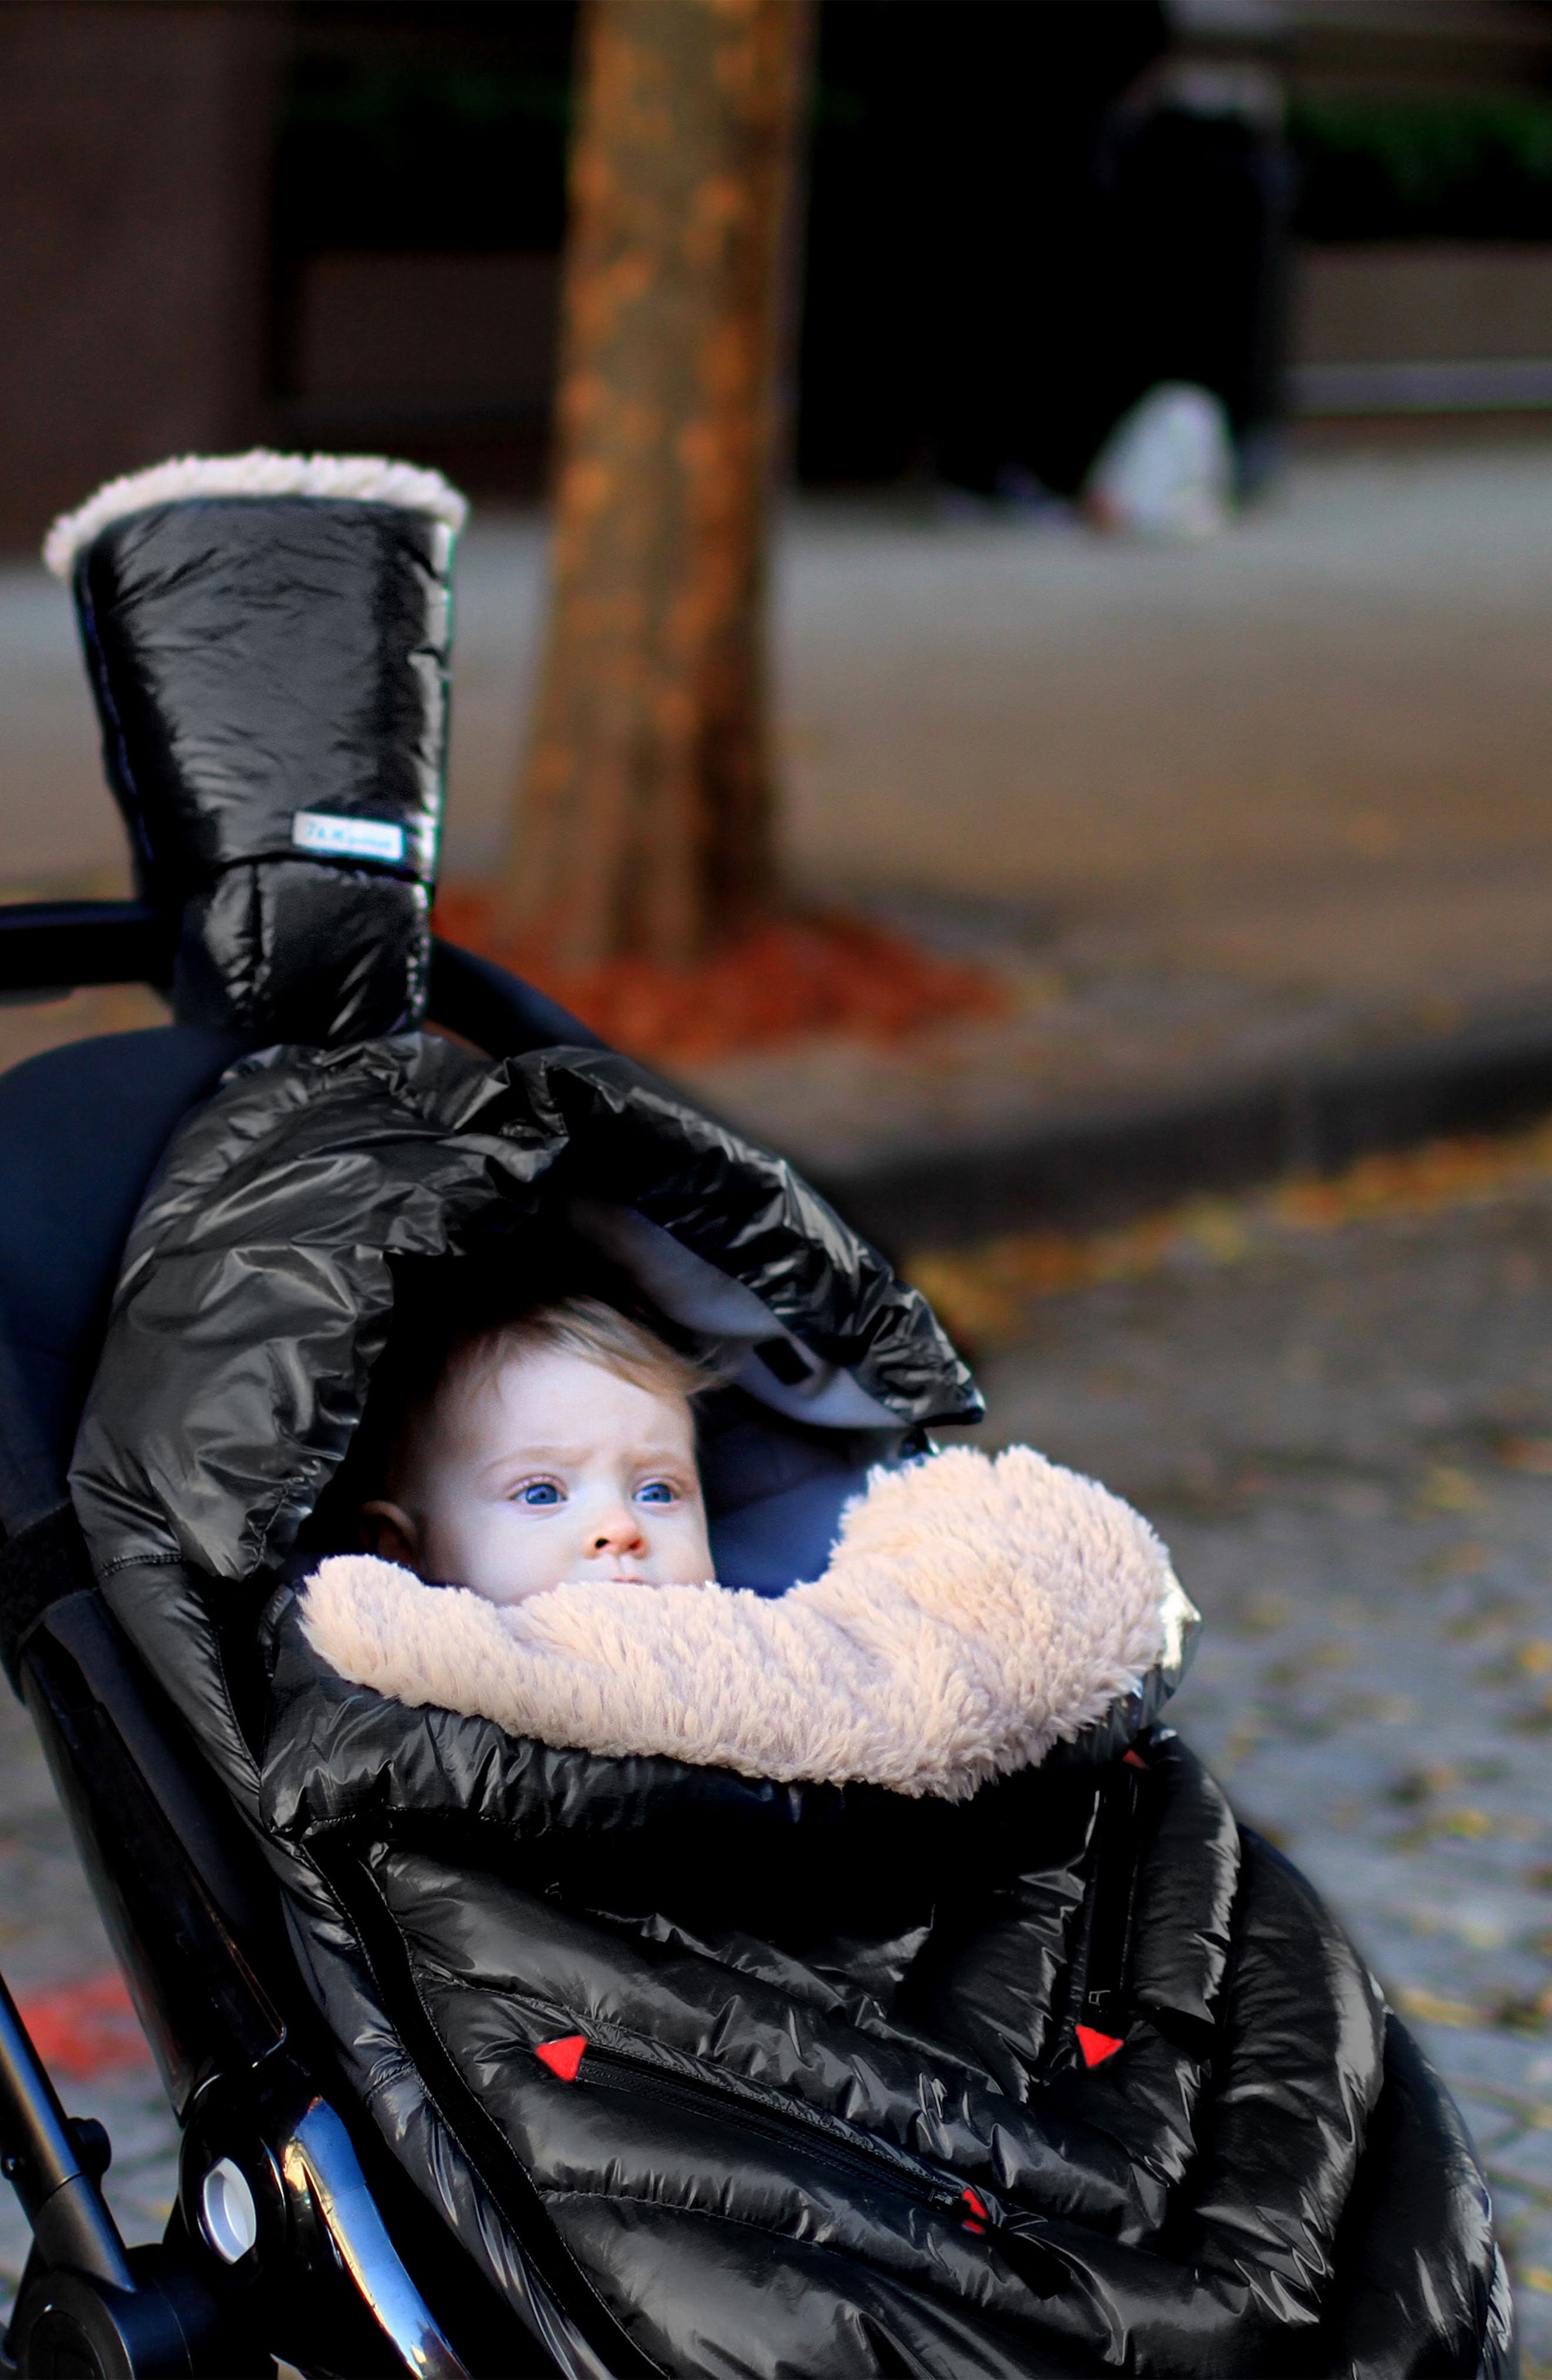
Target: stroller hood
[257,1284]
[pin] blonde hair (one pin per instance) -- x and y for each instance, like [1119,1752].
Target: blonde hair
[573,1326]
[585,1327]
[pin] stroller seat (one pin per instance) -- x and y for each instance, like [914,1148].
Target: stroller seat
[495,2050]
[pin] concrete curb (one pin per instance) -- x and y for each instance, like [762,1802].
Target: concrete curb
[1104,1168]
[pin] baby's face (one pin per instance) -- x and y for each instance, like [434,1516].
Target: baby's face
[551,1470]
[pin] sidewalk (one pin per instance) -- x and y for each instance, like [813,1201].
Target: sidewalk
[1229,820]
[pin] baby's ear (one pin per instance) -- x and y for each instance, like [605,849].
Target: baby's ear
[388,1532]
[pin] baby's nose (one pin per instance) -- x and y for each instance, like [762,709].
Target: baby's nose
[618,1533]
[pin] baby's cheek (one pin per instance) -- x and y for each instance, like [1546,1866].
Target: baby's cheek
[696,1542]
[443,1553]
[505,1563]
[477,1545]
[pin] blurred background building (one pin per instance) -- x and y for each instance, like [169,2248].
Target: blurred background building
[339,222]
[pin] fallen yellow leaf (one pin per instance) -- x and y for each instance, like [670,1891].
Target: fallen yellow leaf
[1470,1825]
[1429,2009]
[1447,1489]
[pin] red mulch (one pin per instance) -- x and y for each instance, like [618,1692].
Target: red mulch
[84,2030]
[827,973]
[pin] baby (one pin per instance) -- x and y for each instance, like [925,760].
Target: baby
[559,1447]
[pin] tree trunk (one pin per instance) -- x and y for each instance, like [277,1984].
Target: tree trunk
[646,827]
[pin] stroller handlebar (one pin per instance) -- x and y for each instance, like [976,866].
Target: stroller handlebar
[49,949]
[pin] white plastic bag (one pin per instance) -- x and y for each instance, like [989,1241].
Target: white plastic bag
[1167,468]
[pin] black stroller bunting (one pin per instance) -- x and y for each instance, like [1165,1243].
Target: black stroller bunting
[495,2052]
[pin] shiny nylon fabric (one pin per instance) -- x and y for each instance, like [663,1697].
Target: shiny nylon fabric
[813,2016]
[252,657]
[257,1290]
[1265,2180]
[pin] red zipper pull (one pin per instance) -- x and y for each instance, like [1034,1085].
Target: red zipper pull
[563,2056]
[978,2207]
[1096,2046]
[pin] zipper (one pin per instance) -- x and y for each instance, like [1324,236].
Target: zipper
[1103,1965]
[574,2058]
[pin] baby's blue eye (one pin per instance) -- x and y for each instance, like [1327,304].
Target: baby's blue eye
[539,1491]
[656,1492]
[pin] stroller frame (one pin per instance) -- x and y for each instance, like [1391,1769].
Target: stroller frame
[278,2244]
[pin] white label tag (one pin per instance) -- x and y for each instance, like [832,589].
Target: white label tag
[346,838]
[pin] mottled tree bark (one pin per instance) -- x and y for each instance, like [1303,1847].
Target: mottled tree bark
[645,826]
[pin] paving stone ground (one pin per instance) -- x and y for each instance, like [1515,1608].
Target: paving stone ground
[1346,1438]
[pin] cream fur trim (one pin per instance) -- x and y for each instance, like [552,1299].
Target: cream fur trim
[974,1613]
[369,479]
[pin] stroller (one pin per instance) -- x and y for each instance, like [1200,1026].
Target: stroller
[510,2054]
